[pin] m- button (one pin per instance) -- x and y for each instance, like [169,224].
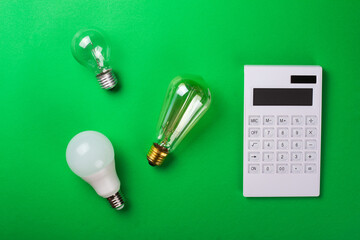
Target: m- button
[268,120]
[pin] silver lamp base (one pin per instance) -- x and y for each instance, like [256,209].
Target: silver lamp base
[107,79]
[116,201]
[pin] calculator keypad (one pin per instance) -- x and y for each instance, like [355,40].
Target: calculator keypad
[282,144]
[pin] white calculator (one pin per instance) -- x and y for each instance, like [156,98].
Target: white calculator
[282,131]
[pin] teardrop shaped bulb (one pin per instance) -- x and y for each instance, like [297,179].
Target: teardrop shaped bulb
[186,101]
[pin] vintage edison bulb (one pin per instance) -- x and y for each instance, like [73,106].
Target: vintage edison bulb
[186,101]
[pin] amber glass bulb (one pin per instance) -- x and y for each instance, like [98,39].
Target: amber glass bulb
[186,101]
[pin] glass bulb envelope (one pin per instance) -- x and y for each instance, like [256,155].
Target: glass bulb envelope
[187,99]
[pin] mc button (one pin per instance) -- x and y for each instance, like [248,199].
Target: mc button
[254,120]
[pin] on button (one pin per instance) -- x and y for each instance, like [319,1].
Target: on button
[254,168]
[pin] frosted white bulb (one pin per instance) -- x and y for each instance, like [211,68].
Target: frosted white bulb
[90,155]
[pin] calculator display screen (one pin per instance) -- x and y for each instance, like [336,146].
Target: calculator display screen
[283,97]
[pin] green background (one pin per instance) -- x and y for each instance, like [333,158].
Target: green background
[46,98]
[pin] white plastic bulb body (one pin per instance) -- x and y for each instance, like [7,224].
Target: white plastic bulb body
[90,155]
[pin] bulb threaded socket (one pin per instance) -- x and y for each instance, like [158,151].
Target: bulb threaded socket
[157,154]
[107,79]
[116,201]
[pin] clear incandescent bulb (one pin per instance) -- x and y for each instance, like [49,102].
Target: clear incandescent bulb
[90,48]
[90,155]
[187,99]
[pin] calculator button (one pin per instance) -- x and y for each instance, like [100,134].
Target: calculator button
[283,120]
[283,132]
[310,156]
[253,144]
[296,132]
[297,120]
[310,168]
[296,144]
[269,120]
[296,156]
[310,144]
[311,120]
[282,156]
[268,144]
[254,157]
[268,132]
[254,132]
[296,168]
[268,157]
[254,120]
[310,132]
[283,144]
[282,168]
[268,168]
[254,168]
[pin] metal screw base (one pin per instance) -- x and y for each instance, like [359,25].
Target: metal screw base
[116,201]
[157,154]
[107,79]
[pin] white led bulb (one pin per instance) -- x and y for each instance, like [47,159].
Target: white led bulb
[90,155]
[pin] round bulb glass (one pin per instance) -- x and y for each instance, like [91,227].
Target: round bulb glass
[88,152]
[90,48]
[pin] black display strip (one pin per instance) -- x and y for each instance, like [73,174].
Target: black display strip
[283,96]
[303,79]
